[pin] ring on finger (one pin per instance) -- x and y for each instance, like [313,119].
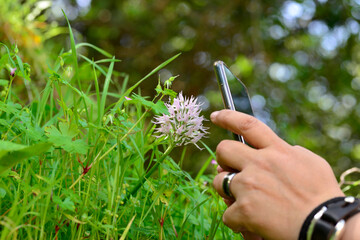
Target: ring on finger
[226,184]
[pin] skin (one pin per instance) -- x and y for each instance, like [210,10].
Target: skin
[276,186]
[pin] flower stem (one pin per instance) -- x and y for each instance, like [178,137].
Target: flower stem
[149,173]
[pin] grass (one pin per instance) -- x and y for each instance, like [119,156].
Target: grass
[77,158]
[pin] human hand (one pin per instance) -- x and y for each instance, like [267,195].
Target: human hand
[277,185]
[246,233]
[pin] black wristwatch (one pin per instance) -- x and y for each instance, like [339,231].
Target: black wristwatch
[327,221]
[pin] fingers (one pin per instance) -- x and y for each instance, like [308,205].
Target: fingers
[218,185]
[250,236]
[228,202]
[256,133]
[233,218]
[233,156]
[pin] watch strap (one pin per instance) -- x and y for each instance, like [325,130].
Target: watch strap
[306,224]
[324,227]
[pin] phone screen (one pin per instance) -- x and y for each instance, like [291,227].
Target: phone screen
[234,93]
[239,93]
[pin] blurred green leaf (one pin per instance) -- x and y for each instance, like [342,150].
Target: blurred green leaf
[2,192]
[12,153]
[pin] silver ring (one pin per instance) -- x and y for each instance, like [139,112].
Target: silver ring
[226,184]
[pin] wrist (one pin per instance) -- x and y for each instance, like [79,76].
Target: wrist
[352,228]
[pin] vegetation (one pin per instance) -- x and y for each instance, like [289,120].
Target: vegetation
[73,166]
[80,153]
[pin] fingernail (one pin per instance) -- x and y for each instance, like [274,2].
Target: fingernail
[213,115]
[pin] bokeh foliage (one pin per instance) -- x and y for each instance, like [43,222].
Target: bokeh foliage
[299,59]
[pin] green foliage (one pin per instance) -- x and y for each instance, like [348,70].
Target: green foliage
[79,159]
[12,153]
[63,138]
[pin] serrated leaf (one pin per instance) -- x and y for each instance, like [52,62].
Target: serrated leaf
[161,108]
[170,93]
[12,153]
[69,130]
[69,193]
[56,199]
[77,146]
[10,107]
[63,138]
[67,204]
[4,123]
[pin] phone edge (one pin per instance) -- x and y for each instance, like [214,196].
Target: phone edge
[225,91]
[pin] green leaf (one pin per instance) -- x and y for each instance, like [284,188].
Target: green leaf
[12,153]
[4,82]
[73,52]
[77,146]
[64,138]
[169,92]
[68,204]
[129,90]
[4,123]
[68,129]
[105,89]
[2,193]
[10,107]
[158,107]
[21,66]
[103,52]
[8,54]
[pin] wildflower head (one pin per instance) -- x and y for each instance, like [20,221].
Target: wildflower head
[183,124]
[12,71]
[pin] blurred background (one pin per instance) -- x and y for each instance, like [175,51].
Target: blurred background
[299,59]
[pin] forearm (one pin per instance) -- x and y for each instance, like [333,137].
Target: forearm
[352,228]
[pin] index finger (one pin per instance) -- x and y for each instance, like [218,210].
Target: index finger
[255,132]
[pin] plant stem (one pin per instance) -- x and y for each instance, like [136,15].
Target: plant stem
[149,173]
[9,89]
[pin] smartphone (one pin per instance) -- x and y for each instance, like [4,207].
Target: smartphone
[234,92]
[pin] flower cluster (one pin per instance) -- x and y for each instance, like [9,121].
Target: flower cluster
[183,124]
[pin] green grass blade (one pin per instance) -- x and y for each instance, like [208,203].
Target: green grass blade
[103,52]
[8,51]
[127,228]
[207,163]
[106,88]
[21,66]
[94,64]
[146,77]
[192,210]
[73,52]
[42,102]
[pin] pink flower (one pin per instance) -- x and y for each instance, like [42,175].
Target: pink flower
[183,125]
[127,98]
[12,71]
